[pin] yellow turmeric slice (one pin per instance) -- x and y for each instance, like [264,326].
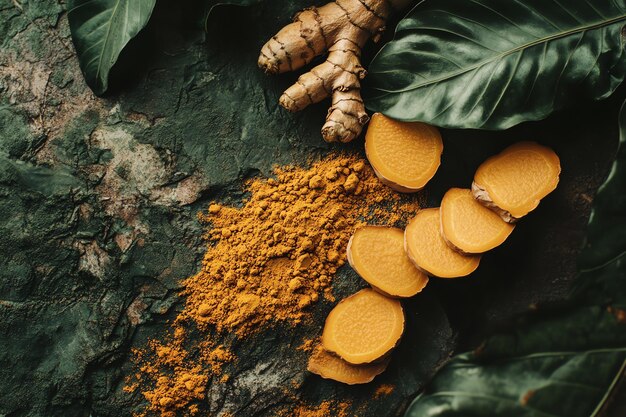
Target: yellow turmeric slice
[377,254]
[428,249]
[404,155]
[330,366]
[364,327]
[513,182]
[468,226]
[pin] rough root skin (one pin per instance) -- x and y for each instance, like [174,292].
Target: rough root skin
[340,28]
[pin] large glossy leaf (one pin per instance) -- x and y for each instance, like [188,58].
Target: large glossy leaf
[565,364]
[543,385]
[100,30]
[494,63]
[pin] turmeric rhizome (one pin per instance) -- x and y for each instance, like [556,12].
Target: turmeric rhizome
[364,327]
[330,366]
[377,254]
[428,249]
[404,155]
[468,226]
[513,182]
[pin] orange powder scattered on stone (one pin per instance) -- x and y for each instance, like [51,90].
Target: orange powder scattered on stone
[325,409]
[382,390]
[276,255]
[267,261]
[308,345]
[177,379]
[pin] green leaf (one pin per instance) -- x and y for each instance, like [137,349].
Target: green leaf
[100,31]
[606,234]
[544,385]
[566,363]
[492,64]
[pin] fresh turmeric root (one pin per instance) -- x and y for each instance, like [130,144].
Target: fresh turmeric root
[404,155]
[330,366]
[340,28]
[364,327]
[513,182]
[429,251]
[377,254]
[468,226]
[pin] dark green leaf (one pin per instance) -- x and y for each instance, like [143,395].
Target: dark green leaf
[494,63]
[608,221]
[541,385]
[563,364]
[100,30]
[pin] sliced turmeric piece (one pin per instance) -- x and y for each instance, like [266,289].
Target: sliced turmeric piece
[428,249]
[468,226]
[513,182]
[404,155]
[377,254]
[364,327]
[330,366]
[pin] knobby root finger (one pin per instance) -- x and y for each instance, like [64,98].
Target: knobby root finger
[346,117]
[310,88]
[295,45]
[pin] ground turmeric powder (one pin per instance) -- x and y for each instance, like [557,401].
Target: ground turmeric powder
[382,390]
[267,261]
[324,409]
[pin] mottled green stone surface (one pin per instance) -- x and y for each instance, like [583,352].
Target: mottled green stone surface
[98,203]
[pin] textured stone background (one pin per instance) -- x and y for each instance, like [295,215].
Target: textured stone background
[98,198]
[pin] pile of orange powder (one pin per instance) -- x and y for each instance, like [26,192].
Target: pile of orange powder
[266,262]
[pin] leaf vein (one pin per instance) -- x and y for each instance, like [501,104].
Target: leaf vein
[506,87]
[83,4]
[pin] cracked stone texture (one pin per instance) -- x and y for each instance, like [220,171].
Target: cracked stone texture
[98,203]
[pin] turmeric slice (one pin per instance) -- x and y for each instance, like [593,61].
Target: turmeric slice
[513,182]
[468,226]
[428,249]
[364,327]
[404,155]
[330,366]
[377,254]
